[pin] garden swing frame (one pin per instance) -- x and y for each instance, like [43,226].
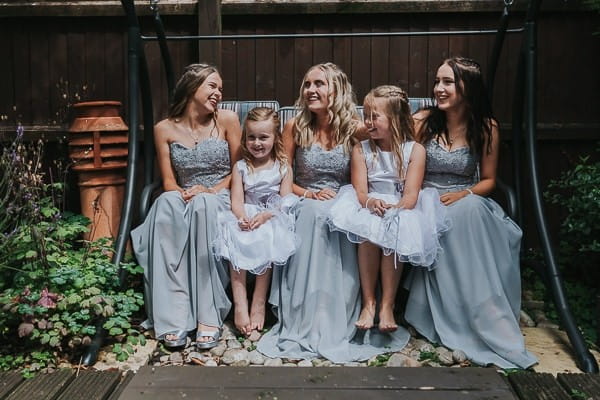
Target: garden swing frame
[524,120]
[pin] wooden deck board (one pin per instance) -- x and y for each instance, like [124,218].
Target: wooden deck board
[122,385]
[8,381]
[91,385]
[585,385]
[534,386]
[317,383]
[42,386]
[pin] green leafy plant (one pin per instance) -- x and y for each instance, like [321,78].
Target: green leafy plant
[429,355]
[56,289]
[380,360]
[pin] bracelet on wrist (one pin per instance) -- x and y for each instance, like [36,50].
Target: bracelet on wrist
[469,190]
[367,202]
[305,193]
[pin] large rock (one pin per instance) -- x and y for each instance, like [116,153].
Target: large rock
[256,358]
[273,362]
[219,349]
[445,356]
[401,360]
[232,356]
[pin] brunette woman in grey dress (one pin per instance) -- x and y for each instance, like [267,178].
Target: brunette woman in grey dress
[196,146]
[471,299]
[316,297]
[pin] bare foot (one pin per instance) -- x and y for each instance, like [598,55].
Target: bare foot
[387,322]
[241,319]
[365,319]
[257,316]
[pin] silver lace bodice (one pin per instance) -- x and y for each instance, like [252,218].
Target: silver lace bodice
[316,168]
[450,170]
[206,164]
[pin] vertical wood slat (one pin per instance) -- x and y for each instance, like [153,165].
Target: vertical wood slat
[437,50]
[303,50]
[57,72]
[399,54]
[342,47]
[22,76]
[534,386]
[76,67]
[418,59]
[6,69]
[379,55]
[265,64]
[246,71]
[229,65]
[209,23]
[285,86]
[323,47]
[94,63]
[40,76]
[361,71]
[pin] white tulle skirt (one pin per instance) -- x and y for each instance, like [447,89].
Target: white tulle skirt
[272,243]
[413,235]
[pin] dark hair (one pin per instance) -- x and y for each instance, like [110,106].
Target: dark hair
[193,76]
[471,88]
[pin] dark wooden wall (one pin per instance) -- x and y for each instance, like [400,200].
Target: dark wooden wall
[46,63]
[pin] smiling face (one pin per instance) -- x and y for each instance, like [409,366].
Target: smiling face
[209,93]
[259,139]
[445,89]
[377,122]
[315,90]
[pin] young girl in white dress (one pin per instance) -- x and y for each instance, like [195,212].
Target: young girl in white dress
[384,209]
[259,230]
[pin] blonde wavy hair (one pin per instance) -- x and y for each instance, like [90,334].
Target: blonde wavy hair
[397,110]
[258,114]
[341,108]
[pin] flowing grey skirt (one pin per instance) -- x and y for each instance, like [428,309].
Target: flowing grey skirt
[471,300]
[316,298]
[184,284]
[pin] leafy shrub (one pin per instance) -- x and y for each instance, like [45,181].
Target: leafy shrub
[55,289]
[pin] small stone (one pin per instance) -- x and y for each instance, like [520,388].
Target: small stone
[459,356]
[228,332]
[234,344]
[273,362]
[219,349]
[247,343]
[526,320]
[235,355]
[445,356]
[426,347]
[305,363]
[256,358]
[289,365]
[164,359]
[156,364]
[211,363]
[430,363]
[417,343]
[401,360]
[176,357]
[254,336]
[241,363]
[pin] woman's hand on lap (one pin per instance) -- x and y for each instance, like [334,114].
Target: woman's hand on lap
[452,197]
[325,194]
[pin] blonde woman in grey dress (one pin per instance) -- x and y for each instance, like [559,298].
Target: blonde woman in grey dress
[196,147]
[317,296]
[471,300]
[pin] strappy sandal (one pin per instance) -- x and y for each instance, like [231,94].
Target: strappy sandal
[208,344]
[181,338]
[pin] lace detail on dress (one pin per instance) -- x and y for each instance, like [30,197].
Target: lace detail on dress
[449,170]
[206,164]
[316,168]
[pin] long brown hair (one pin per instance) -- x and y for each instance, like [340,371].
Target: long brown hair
[193,76]
[258,114]
[397,110]
[470,86]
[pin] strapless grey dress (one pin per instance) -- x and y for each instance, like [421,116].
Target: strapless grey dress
[184,284]
[472,298]
[316,297]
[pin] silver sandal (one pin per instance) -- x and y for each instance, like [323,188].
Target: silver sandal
[181,338]
[209,344]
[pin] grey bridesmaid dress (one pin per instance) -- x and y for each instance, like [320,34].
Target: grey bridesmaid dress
[472,298]
[316,297]
[184,284]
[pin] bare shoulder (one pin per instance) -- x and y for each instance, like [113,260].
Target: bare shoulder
[164,128]
[421,115]
[418,150]
[227,117]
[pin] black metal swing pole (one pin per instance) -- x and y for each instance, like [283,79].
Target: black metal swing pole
[585,361]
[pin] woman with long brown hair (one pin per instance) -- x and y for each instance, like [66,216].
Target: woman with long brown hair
[196,146]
